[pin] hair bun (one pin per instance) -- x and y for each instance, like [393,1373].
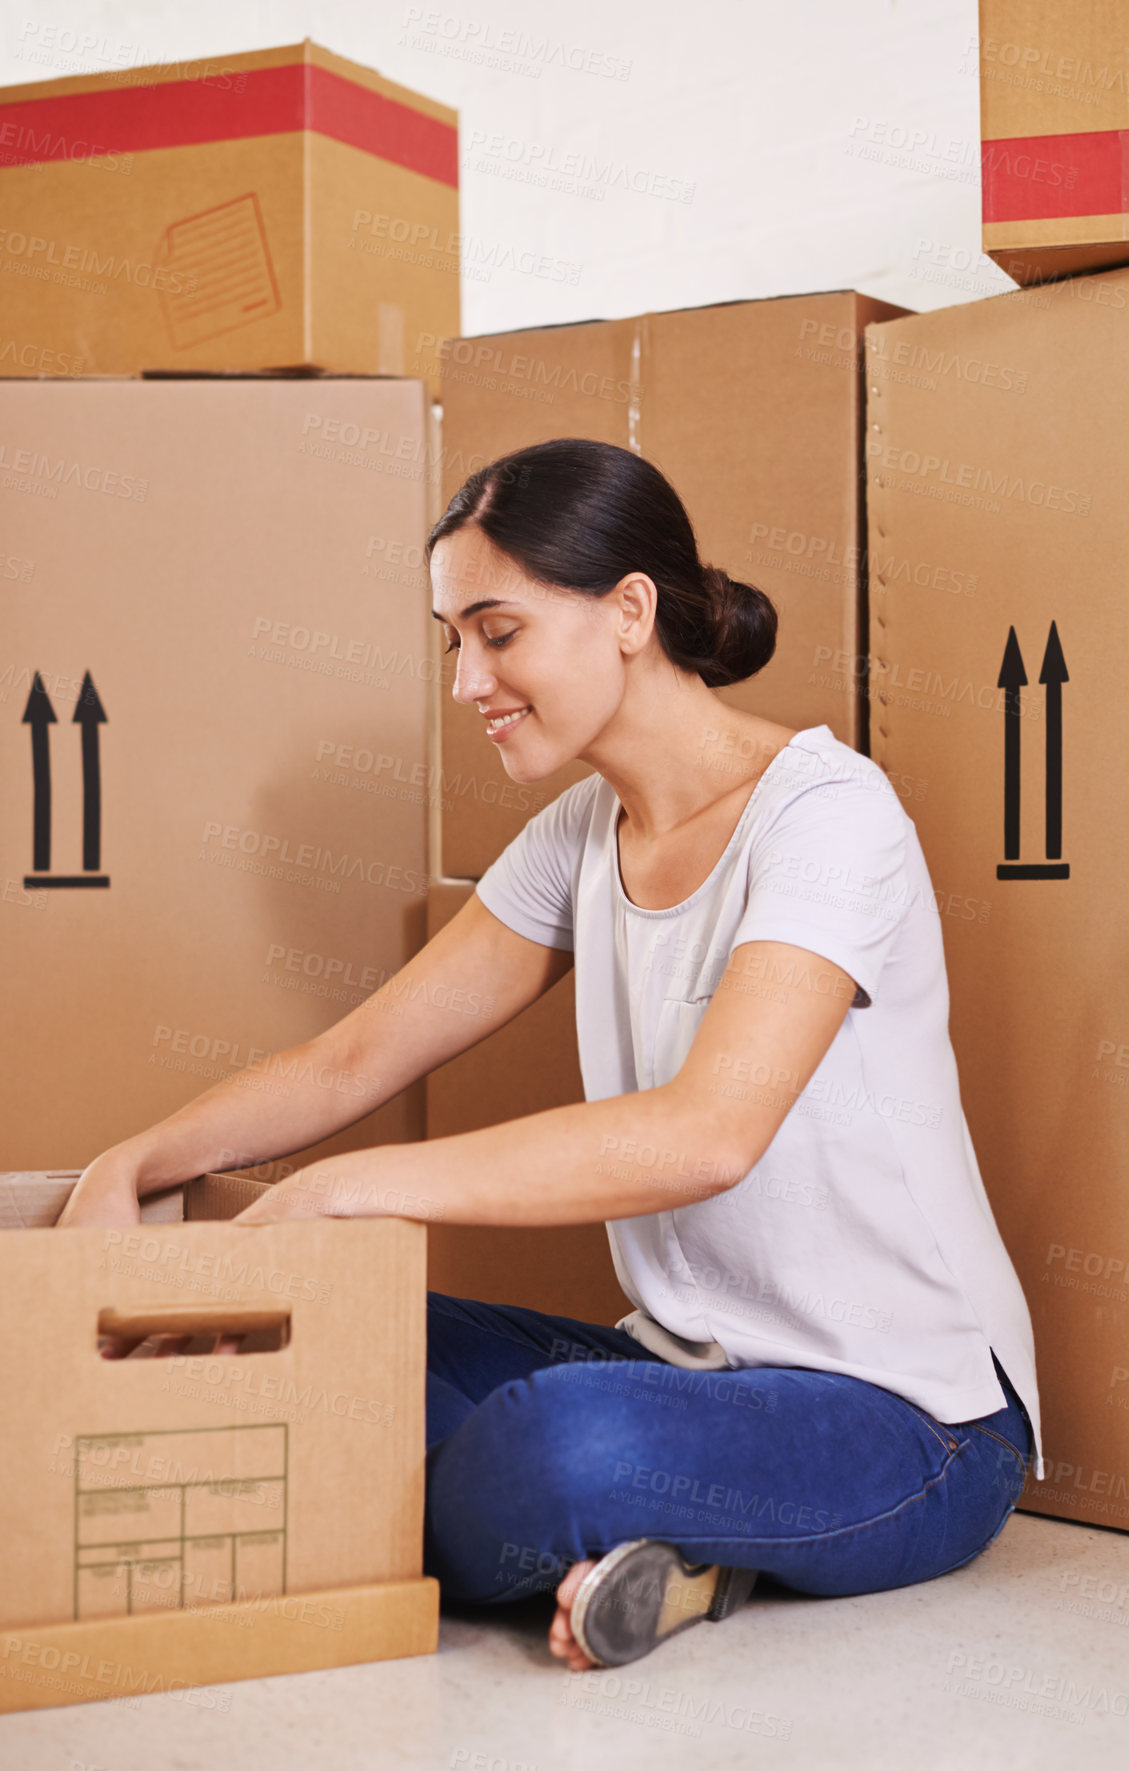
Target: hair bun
[743,628]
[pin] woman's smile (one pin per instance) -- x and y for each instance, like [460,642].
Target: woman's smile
[502,726]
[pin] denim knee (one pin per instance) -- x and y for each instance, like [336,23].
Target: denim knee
[571,1447]
[518,1493]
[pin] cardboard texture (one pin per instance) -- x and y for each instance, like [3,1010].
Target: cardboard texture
[145,1490]
[56,1664]
[999,629]
[279,210]
[1054,126]
[753,410]
[214,805]
[526,1067]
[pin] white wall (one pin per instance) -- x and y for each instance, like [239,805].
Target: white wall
[625,155]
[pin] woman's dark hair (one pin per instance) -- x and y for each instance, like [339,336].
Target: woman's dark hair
[581,515]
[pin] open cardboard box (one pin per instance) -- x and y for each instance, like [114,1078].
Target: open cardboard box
[171,1522]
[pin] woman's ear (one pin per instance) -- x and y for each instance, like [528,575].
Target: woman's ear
[638,603]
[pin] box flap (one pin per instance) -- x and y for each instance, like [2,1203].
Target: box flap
[215,1196]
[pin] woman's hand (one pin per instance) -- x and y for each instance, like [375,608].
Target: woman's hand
[314,1192]
[105,1194]
[355,1184]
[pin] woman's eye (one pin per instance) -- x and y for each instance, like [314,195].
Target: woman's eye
[502,640]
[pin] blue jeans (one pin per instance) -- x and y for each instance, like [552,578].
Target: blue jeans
[550,1441]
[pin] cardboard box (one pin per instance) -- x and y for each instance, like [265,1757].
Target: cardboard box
[753,410]
[178,1520]
[1054,123]
[999,631]
[284,209]
[526,1067]
[214,807]
[178,1651]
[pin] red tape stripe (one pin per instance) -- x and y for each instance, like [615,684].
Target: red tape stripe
[1037,177]
[227,106]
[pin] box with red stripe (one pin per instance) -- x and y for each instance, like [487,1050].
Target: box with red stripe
[1054,126]
[274,211]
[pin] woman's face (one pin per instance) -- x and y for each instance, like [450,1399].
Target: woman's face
[554,656]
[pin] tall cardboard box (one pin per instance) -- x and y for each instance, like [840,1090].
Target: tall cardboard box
[999,520]
[279,210]
[753,410]
[209,1516]
[215,777]
[1054,121]
[528,1066]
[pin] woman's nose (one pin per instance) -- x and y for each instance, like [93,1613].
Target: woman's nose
[474,681]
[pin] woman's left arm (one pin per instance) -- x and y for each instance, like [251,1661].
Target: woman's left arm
[622,1157]
[569,1165]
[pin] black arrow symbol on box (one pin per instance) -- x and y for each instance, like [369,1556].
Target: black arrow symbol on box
[90,714]
[1012,678]
[1053,674]
[39,714]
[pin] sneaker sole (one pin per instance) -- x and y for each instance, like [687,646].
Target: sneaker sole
[643,1592]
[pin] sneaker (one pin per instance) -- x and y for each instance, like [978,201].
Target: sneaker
[644,1591]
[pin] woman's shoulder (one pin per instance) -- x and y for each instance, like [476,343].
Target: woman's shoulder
[818,767]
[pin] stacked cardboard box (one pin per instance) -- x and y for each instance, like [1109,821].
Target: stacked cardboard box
[753,409]
[997,504]
[222,287]
[999,518]
[280,210]
[1054,121]
[215,777]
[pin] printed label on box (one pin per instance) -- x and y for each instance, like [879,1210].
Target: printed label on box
[179,1517]
[220,272]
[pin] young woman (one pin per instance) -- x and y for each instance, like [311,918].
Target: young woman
[828,1375]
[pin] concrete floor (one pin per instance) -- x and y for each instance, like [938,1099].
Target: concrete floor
[1019,1660]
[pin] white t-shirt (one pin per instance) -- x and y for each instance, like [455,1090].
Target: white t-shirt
[863,1240]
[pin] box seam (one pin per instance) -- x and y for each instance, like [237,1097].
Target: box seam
[878,625]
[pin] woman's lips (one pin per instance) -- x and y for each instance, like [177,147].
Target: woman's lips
[511,725]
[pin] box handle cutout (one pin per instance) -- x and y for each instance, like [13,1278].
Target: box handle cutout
[254,1328]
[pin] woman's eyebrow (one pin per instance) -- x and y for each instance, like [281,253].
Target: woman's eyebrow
[490,602]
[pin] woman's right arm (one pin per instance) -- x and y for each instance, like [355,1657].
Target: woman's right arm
[472,977]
